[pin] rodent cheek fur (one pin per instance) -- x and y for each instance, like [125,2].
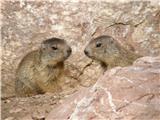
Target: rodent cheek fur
[48,56]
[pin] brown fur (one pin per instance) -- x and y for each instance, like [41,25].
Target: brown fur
[108,51]
[39,70]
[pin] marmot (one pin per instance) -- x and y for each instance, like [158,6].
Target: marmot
[39,70]
[109,52]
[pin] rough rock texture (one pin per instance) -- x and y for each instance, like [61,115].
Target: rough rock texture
[136,25]
[129,93]
[30,108]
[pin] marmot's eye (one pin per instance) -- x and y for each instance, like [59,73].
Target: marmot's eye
[112,42]
[54,48]
[98,44]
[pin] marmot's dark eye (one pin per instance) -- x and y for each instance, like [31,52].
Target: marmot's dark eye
[98,44]
[111,42]
[54,48]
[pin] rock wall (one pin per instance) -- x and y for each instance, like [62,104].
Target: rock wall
[25,24]
[128,93]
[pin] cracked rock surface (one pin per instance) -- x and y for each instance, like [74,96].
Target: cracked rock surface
[135,25]
[129,93]
[25,24]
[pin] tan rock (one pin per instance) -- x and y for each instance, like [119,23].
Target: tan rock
[26,24]
[122,93]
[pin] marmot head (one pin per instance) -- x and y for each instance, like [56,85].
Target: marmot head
[54,51]
[102,48]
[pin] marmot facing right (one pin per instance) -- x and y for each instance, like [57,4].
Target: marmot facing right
[39,70]
[108,51]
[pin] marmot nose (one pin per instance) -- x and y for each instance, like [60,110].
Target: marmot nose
[86,52]
[69,50]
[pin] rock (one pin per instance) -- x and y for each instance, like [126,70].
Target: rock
[10,118]
[67,106]
[121,93]
[27,117]
[25,24]
[30,108]
[15,110]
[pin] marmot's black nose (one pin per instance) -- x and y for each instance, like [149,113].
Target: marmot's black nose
[86,52]
[69,51]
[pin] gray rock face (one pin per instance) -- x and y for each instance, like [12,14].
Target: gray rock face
[26,24]
[129,93]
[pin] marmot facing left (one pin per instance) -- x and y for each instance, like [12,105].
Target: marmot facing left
[109,52]
[39,70]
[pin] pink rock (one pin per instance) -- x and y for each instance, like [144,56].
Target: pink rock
[122,93]
[135,25]
[67,107]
